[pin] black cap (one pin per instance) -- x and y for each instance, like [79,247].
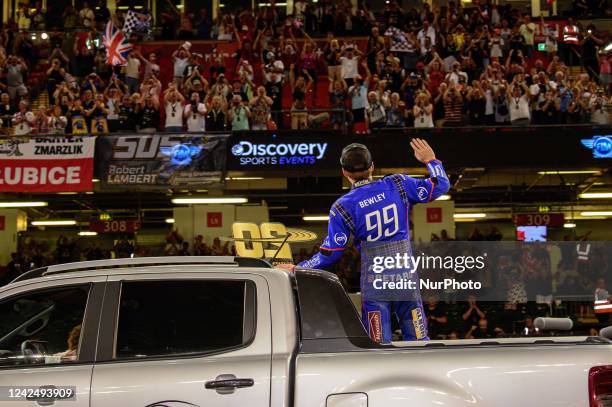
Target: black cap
[356,158]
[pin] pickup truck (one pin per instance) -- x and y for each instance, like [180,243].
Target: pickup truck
[226,331]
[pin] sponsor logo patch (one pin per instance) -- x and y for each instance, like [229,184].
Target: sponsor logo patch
[422,193]
[341,239]
[375,326]
[419,323]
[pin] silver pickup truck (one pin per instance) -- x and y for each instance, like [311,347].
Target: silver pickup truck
[225,331]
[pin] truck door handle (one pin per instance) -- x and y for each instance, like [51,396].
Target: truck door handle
[228,383]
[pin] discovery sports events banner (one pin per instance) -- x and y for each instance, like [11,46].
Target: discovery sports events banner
[49,164]
[161,161]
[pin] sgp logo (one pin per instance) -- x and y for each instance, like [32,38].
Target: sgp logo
[340,239]
[422,193]
[238,149]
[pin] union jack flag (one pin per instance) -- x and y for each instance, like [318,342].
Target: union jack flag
[117,45]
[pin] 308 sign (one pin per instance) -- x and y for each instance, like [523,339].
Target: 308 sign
[261,241]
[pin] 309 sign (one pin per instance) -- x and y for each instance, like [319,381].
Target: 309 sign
[539,219]
[261,241]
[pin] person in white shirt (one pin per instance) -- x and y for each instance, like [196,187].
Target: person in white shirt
[426,31]
[496,46]
[174,109]
[423,111]
[349,62]
[180,59]
[86,15]
[195,113]
[23,120]
[132,72]
[518,102]
[455,75]
[527,30]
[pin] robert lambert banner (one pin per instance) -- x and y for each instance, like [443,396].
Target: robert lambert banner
[47,164]
[161,161]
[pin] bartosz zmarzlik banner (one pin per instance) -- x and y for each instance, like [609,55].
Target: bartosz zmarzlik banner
[47,164]
[153,160]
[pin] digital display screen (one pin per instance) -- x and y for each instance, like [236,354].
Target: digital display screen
[531,233]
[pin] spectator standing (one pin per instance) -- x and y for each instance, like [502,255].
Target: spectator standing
[599,105]
[39,17]
[423,111]
[215,118]
[15,71]
[551,34]
[22,16]
[427,32]
[358,93]
[56,121]
[180,60]
[502,112]
[375,114]
[476,104]
[518,100]
[332,57]
[132,72]
[453,102]
[527,30]
[86,16]
[261,108]
[148,110]
[23,121]
[337,98]
[174,109]
[590,43]
[549,108]
[571,42]
[376,44]
[273,82]
[349,62]
[195,114]
[238,114]
[127,112]
[396,112]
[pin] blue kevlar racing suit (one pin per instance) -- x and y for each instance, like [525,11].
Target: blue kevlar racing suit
[377,211]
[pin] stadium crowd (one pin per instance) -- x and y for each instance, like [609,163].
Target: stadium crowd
[415,66]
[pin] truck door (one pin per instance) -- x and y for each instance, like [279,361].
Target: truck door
[184,339]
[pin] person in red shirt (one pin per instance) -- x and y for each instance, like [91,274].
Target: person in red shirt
[436,74]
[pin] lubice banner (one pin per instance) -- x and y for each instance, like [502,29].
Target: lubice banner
[47,164]
[149,161]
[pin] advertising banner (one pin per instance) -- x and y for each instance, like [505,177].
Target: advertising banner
[47,164]
[149,161]
[284,151]
[315,151]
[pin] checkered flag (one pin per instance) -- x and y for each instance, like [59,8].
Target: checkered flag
[137,23]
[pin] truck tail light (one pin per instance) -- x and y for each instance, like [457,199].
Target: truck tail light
[600,386]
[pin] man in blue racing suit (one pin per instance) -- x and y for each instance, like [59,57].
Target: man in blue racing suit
[377,211]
